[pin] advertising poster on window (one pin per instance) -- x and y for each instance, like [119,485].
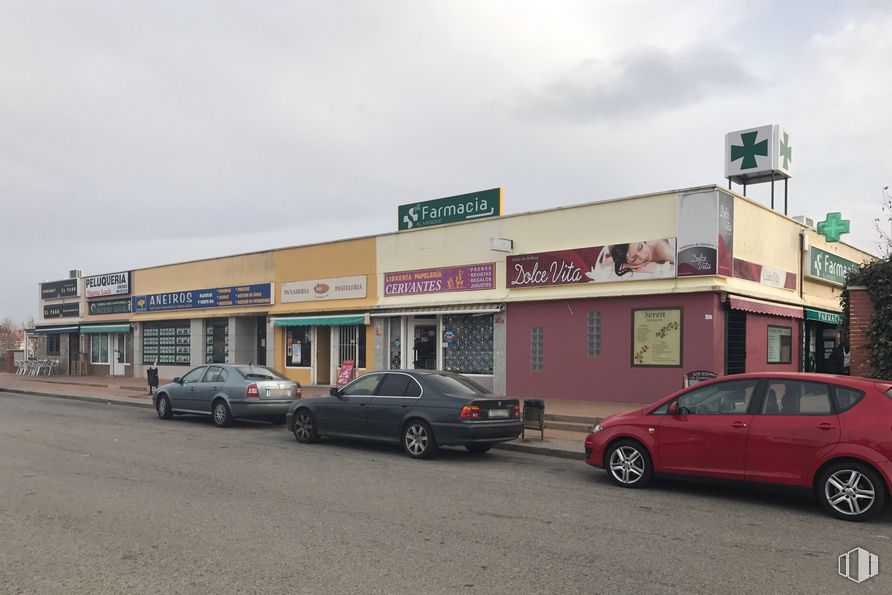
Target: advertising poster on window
[634,261]
[656,337]
[705,234]
[780,345]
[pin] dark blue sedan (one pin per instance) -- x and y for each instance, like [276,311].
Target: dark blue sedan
[419,409]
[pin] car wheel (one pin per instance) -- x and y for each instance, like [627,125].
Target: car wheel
[162,406]
[851,491]
[478,448]
[221,415]
[418,440]
[629,464]
[279,420]
[304,427]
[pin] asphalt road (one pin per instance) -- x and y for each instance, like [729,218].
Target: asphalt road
[109,499]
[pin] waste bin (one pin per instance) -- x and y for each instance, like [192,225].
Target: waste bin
[533,417]
[152,378]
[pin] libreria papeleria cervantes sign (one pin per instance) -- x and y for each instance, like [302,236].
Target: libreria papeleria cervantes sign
[452,209]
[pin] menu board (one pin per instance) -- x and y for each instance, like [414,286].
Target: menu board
[167,343]
[345,372]
[780,345]
[656,337]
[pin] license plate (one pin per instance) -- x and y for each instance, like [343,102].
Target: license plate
[277,392]
[498,413]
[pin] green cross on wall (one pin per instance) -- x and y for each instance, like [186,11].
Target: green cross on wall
[749,150]
[833,227]
[786,151]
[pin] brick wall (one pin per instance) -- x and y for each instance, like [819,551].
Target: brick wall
[860,313]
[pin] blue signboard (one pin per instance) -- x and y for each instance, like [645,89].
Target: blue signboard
[219,297]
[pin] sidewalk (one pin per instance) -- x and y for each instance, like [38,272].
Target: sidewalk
[566,421]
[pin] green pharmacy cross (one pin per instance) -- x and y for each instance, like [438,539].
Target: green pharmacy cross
[833,227]
[749,150]
[786,151]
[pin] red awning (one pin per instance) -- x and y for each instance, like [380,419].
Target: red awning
[760,307]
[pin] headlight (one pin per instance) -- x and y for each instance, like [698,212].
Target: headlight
[596,428]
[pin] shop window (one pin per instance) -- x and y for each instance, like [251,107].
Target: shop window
[298,347]
[468,344]
[537,343]
[216,341]
[351,344]
[593,334]
[52,344]
[98,349]
[395,342]
[780,344]
[166,343]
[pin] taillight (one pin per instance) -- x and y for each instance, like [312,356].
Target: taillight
[298,393]
[470,412]
[517,410]
[252,392]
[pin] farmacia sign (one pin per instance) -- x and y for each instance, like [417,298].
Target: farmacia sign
[452,209]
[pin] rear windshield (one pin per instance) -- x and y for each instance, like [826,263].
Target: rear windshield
[258,373]
[454,384]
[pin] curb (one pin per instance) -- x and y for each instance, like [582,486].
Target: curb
[541,450]
[73,397]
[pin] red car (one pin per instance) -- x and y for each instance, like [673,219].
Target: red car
[829,434]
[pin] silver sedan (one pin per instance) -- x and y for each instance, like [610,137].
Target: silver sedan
[226,391]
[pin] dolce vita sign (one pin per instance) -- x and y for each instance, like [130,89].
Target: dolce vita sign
[452,209]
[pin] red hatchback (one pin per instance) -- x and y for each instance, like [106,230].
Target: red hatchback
[829,434]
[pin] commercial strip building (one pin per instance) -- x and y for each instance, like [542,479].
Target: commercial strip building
[615,300]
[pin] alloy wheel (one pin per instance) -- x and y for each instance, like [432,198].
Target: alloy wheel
[849,492]
[162,407]
[627,464]
[220,413]
[417,439]
[303,426]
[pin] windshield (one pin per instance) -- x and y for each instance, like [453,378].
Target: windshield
[258,373]
[454,384]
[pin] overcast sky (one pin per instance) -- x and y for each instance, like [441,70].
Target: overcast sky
[142,133]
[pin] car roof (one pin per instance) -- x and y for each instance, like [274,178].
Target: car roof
[807,377]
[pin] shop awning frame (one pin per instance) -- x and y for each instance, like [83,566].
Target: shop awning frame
[769,308]
[340,320]
[106,328]
[433,310]
[60,329]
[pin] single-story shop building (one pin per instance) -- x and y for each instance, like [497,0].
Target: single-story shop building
[615,300]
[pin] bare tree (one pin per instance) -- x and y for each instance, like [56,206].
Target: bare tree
[880,223]
[10,335]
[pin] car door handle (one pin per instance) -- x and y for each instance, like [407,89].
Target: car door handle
[826,426]
[738,424]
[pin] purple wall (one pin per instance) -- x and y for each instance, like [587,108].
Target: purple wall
[568,372]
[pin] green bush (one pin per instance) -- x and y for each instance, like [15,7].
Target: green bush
[876,276]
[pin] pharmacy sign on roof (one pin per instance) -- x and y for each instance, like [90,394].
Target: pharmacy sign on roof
[452,209]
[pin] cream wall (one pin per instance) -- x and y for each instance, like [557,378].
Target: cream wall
[641,218]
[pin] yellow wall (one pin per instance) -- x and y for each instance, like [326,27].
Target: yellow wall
[323,261]
[205,274]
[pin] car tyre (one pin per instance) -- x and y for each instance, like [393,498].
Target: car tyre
[478,449]
[418,440]
[162,406]
[851,491]
[628,464]
[220,414]
[304,427]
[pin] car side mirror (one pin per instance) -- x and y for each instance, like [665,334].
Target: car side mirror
[177,380]
[673,408]
[334,392]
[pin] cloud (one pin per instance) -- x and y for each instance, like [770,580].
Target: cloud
[644,81]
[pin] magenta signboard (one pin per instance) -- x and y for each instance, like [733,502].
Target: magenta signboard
[470,277]
[633,261]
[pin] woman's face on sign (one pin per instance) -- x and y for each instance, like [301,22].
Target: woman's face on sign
[640,253]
